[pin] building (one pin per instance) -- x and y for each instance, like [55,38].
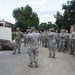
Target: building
[4,23]
[73,27]
[6,30]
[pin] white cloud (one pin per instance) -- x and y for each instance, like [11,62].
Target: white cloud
[46,18]
[44,8]
[35,3]
[49,12]
[1,4]
[22,0]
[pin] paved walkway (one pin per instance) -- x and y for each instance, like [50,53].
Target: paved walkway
[63,64]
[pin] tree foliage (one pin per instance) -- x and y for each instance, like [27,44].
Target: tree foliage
[25,18]
[46,26]
[66,19]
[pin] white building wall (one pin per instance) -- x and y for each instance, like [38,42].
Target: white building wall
[5,33]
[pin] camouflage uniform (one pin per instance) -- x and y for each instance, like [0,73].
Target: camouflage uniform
[67,42]
[46,39]
[62,38]
[57,40]
[51,44]
[40,37]
[25,39]
[18,37]
[72,43]
[33,41]
[43,39]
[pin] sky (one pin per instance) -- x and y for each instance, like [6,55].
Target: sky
[46,9]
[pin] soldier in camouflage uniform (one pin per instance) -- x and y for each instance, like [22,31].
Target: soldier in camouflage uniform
[25,39]
[18,37]
[57,40]
[52,43]
[40,37]
[62,38]
[33,41]
[46,39]
[67,41]
[72,42]
[43,38]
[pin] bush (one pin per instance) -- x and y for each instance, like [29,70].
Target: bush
[13,34]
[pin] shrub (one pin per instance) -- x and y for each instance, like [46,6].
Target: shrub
[13,34]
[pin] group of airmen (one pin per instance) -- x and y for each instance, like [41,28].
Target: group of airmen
[51,39]
[63,41]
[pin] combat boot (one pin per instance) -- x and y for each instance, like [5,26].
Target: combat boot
[19,52]
[30,65]
[14,53]
[49,56]
[53,56]
[36,65]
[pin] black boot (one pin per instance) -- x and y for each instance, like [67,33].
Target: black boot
[50,56]
[36,65]
[30,65]
[19,52]
[53,56]
[14,53]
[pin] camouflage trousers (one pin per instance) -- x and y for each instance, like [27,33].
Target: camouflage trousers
[52,49]
[17,45]
[72,47]
[57,42]
[67,44]
[62,46]
[43,43]
[33,55]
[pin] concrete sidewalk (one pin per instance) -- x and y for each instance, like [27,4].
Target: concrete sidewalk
[63,64]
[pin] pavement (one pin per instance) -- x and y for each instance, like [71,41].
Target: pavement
[63,64]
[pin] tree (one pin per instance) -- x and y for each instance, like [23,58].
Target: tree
[46,26]
[69,13]
[25,18]
[43,26]
[68,17]
[59,20]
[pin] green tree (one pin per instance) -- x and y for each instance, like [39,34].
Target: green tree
[25,18]
[66,19]
[69,13]
[59,20]
[43,26]
[46,26]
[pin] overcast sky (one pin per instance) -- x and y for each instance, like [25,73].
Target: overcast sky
[44,8]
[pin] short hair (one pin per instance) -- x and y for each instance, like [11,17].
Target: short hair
[52,29]
[32,28]
[17,28]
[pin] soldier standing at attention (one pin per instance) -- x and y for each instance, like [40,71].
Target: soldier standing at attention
[67,41]
[18,37]
[62,37]
[72,41]
[33,41]
[25,40]
[52,43]
[40,37]
[43,38]
[57,39]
